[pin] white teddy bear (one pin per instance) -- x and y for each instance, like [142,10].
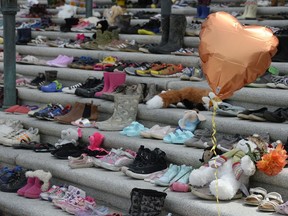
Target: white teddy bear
[234,169]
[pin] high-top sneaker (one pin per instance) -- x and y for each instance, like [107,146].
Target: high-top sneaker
[15,182]
[148,163]
[38,81]
[88,87]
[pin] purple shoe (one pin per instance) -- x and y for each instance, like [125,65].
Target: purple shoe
[54,86]
[61,61]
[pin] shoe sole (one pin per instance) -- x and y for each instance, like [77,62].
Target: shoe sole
[256,118]
[110,167]
[137,175]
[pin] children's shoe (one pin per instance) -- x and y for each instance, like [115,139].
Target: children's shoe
[164,180]
[55,86]
[45,195]
[37,82]
[58,194]
[30,135]
[80,203]
[83,161]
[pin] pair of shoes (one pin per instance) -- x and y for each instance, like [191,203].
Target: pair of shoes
[146,162]
[66,150]
[89,88]
[24,109]
[116,159]
[157,132]
[60,61]
[253,114]
[37,182]
[51,111]
[134,129]
[79,110]
[111,82]
[267,202]
[12,179]
[54,86]
[178,137]
[192,74]
[169,71]
[83,161]
[279,115]
[15,138]
[55,192]
[269,78]
[175,174]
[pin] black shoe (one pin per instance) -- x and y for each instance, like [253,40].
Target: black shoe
[279,115]
[15,182]
[90,89]
[67,150]
[38,81]
[149,162]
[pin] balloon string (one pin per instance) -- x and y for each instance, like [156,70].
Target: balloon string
[214,141]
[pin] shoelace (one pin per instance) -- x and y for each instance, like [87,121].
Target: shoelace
[279,79]
[76,86]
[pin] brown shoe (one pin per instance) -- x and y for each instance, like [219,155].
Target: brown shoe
[75,113]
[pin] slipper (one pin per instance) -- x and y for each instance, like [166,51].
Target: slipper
[271,201]
[226,109]
[29,59]
[84,123]
[43,147]
[256,196]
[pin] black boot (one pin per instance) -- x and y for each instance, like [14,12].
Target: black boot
[176,34]
[23,36]
[165,24]
[146,202]
[282,53]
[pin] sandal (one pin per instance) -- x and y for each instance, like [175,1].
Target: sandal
[256,196]
[84,123]
[43,147]
[271,201]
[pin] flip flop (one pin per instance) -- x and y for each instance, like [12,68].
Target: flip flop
[84,123]
[43,147]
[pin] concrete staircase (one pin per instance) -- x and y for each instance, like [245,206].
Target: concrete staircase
[111,188]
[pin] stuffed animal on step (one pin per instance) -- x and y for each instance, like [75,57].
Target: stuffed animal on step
[69,135]
[191,97]
[234,169]
[111,13]
[66,11]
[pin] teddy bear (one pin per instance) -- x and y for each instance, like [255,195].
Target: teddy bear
[233,169]
[69,135]
[111,13]
[191,97]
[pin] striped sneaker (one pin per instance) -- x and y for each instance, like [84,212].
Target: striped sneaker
[30,135]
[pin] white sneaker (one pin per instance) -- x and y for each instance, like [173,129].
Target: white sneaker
[72,89]
[30,135]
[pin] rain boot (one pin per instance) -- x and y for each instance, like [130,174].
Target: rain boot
[176,34]
[243,16]
[199,11]
[41,184]
[165,24]
[24,36]
[252,11]
[146,202]
[106,84]
[205,10]
[115,79]
[125,111]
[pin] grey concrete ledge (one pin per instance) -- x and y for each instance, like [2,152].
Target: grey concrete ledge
[118,184]
[226,125]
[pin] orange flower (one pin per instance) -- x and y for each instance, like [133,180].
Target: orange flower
[273,162]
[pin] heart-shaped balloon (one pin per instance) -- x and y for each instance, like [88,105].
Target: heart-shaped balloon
[234,55]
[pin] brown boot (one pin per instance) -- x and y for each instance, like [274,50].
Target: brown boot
[75,113]
[90,112]
[274,2]
[281,2]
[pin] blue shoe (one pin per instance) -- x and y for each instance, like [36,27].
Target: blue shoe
[170,174]
[7,173]
[190,120]
[134,129]
[54,86]
[205,12]
[183,174]
[199,11]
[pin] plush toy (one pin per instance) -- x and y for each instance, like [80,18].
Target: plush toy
[233,169]
[191,97]
[190,120]
[69,135]
[111,13]
[66,11]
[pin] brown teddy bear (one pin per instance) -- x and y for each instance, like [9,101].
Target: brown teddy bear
[111,13]
[191,97]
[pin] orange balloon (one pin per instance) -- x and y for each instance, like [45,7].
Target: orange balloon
[234,55]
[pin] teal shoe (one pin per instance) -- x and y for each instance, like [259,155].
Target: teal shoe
[164,180]
[134,129]
[183,175]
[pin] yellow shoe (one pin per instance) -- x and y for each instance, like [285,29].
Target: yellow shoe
[1,40]
[145,32]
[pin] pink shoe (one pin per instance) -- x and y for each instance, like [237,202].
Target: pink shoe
[30,183]
[41,184]
[180,187]
[79,203]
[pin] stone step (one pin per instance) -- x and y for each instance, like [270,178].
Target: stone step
[224,124]
[114,187]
